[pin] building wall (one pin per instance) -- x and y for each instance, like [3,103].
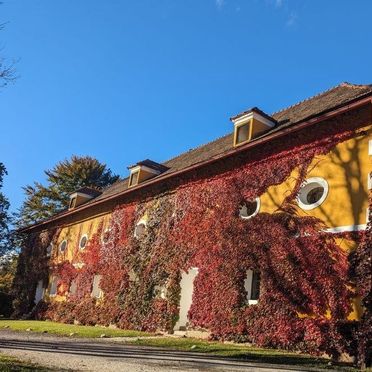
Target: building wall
[162,257]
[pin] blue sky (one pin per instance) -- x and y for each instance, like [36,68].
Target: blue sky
[128,80]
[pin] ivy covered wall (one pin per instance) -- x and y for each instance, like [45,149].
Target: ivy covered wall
[307,282]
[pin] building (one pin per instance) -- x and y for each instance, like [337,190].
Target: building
[248,237]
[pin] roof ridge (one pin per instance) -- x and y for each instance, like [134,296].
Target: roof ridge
[343,84]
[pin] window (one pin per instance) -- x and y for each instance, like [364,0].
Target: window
[105,238]
[134,178]
[73,287]
[83,241]
[63,246]
[242,133]
[39,293]
[96,290]
[248,209]
[313,192]
[53,286]
[72,203]
[140,230]
[49,250]
[252,286]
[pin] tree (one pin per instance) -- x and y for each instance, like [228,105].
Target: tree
[7,70]
[4,215]
[62,180]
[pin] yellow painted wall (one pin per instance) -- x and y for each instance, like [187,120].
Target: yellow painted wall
[346,170]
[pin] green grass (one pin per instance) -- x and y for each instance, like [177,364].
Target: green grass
[65,329]
[8,364]
[243,352]
[238,351]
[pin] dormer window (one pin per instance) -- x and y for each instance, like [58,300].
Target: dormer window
[72,203]
[134,178]
[81,196]
[144,170]
[251,124]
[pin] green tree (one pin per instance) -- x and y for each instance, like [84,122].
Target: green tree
[4,215]
[62,180]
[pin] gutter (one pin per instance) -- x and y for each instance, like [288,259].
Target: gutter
[276,133]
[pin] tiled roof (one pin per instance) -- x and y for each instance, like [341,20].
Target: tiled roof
[313,106]
[89,191]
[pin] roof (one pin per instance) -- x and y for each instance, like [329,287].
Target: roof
[313,106]
[336,97]
[150,164]
[89,191]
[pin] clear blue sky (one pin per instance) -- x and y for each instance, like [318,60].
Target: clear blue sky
[128,80]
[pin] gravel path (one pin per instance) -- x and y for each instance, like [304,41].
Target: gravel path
[71,354]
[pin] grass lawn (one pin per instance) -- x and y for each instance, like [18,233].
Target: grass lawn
[8,363]
[243,352]
[240,351]
[66,329]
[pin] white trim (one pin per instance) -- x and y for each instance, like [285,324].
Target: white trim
[253,115]
[76,194]
[346,228]
[316,180]
[370,147]
[369,181]
[145,168]
[258,201]
[83,236]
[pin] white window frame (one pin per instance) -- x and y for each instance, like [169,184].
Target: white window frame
[49,251]
[258,201]
[53,283]
[139,223]
[248,281]
[83,236]
[60,246]
[304,190]
[96,282]
[107,230]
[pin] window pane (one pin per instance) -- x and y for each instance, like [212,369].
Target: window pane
[243,132]
[134,178]
[255,292]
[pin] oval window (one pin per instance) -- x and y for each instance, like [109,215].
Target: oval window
[49,250]
[312,193]
[106,236]
[248,209]
[83,241]
[63,246]
[140,230]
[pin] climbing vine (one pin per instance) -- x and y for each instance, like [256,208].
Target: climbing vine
[306,289]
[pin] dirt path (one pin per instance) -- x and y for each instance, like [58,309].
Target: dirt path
[102,355]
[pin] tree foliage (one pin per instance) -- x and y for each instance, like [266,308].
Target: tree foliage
[4,215]
[43,201]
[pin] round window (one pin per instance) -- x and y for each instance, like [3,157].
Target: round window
[63,246]
[83,241]
[248,209]
[312,193]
